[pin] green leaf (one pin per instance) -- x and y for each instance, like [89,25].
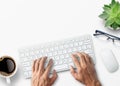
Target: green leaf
[117,20]
[104,16]
[109,22]
[119,8]
[106,7]
[113,2]
[118,15]
[114,26]
[115,8]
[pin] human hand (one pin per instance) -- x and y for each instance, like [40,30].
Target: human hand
[85,72]
[40,75]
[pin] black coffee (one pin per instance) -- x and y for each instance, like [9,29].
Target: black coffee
[7,65]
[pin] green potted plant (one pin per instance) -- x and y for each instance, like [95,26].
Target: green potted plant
[111,15]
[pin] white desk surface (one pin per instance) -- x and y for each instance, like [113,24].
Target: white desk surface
[30,22]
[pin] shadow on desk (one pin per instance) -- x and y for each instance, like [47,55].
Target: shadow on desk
[14,79]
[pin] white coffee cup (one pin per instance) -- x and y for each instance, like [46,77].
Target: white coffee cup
[7,77]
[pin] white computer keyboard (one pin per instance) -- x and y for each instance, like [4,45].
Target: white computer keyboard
[59,51]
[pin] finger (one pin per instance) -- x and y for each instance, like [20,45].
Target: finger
[77,75]
[82,60]
[37,64]
[47,71]
[75,60]
[86,57]
[73,72]
[90,68]
[94,83]
[33,65]
[54,77]
[42,62]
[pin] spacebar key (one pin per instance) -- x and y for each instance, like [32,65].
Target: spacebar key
[61,67]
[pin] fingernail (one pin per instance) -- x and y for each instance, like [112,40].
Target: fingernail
[73,55]
[70,67]
[45,56]
[54,70]
[51,60]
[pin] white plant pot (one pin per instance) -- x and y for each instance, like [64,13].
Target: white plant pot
[113,29]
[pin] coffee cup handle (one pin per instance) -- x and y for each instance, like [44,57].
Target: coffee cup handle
[8,80]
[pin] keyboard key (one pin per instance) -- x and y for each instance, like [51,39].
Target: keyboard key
[71,64]
[49,54]
[51,49]
[60,52]
[69,50]
[26,64]
[84,47]
[55,63]
[52,58]
[22,55]
[65,46]
[42,51]
[67,56]
[79,48]
[70,60]
[71,45]
[27,54]
[37,52]
[61,47]
[56,57]
[75,44]
[61,67]
[62,57]
[56,48]
[65,60]
[27,68]
[88,51]
[26,74]
[31,53]
[64,51]
[74,49]
[60,62]
[54,53]
[89,46]
[30,73]
[47,50]
[24,59]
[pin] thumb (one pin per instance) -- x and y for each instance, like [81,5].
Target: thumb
[53,78]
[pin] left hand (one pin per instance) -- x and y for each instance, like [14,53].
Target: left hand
[40,75]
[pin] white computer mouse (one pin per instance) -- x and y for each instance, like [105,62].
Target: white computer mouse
[109,60]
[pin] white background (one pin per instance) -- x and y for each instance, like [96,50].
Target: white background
[30,22]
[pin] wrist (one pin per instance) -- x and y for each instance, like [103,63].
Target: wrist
[94,83]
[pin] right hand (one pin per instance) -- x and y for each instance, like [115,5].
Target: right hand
[85,73]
